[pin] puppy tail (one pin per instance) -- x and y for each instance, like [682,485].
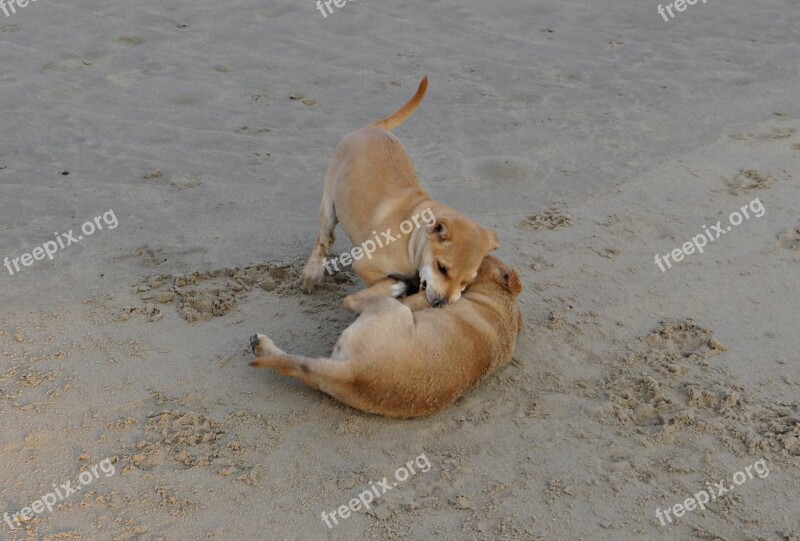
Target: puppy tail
[398,117]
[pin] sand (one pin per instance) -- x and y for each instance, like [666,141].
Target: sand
[590,136]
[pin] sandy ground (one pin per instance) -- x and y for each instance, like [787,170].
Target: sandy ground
[591,135]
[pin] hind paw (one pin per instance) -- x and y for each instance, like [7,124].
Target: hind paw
[261,345]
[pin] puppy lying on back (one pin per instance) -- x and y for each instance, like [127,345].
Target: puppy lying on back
[395,362]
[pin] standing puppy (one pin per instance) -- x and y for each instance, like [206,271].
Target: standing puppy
[371,186]
[395,362]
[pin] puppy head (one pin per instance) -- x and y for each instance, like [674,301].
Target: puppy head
[494,271]
[493,274]
[455,250]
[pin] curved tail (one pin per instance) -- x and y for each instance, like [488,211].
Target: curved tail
[398,117]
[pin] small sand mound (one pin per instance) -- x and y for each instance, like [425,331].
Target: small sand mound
[790,239]
[747,180]
[203,295]
[549,219]
[666,387]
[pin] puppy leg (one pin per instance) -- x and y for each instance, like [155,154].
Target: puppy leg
[314,269]
[418,301]
[320,373]
[370,303]
[388,287]
[261,346]
[289,366]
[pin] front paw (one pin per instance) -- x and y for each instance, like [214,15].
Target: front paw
[308,282]
[411,285]
[399,290]
[311,277]
[350,303]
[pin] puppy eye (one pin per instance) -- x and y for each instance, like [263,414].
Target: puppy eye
[442,269]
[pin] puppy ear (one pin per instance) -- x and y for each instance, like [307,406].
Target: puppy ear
[439,230]
[511,282]
[492,241]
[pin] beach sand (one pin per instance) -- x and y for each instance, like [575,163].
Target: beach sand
[591,136]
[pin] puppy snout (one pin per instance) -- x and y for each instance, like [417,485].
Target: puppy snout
[434,298]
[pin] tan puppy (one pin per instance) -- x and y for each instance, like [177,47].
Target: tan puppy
[371,187]
[395,362]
